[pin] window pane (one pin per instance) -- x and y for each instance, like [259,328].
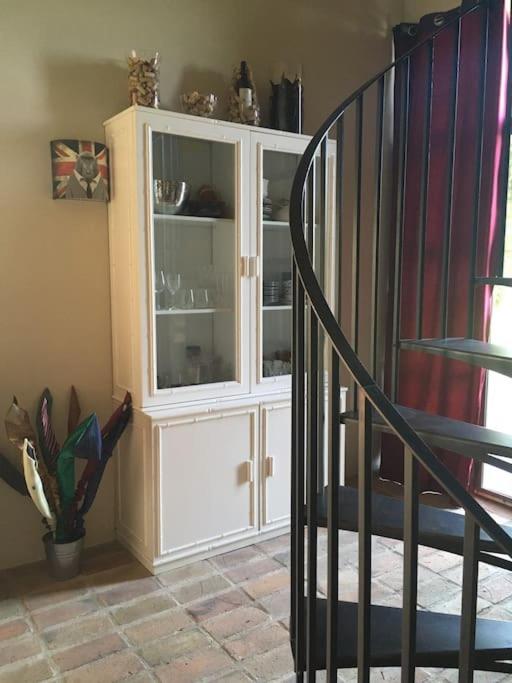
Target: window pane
[499,387]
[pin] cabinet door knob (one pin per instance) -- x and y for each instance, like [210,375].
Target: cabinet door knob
[269,466]
[249,266]
[249,474]
[253,266]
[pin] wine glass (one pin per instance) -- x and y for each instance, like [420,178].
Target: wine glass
[160,286]
[173,284]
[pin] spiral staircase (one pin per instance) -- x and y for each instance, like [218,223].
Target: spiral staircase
[326,633]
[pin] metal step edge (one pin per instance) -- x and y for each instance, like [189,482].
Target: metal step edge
[437,642]
[445,432]
[438,528]
[481,354]
[494,280]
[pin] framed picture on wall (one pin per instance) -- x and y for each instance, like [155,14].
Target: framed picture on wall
[80,170]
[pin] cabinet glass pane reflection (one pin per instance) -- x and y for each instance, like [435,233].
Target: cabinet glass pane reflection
[276,296]
[195,260]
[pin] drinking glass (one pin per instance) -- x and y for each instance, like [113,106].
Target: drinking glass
[159,289]
[186,299]
[222,295]
[202,298]
[173,284]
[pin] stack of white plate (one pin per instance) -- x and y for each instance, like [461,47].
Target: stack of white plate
[271,292]
[286,292]
[267,209]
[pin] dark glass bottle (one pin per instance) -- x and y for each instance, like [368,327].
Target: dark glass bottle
[243,86]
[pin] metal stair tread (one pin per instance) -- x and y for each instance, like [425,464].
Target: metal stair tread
[438,528]
[483,354]
[446,432]
[495,280]
[437,641]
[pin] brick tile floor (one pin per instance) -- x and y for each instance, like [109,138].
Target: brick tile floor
[223,619]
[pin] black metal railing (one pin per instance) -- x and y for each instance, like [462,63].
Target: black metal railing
[319,340]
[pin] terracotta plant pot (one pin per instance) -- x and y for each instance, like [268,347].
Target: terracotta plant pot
[64,559]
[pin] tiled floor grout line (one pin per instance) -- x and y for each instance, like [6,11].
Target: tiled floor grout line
[93,589]
[256,602]
[232,585]
[117,629]
[105,610]
[237,586]
[44,653]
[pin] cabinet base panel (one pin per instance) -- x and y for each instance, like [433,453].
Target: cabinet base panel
[162,564]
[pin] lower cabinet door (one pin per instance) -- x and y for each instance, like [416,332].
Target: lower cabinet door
[275,463]
[207,480]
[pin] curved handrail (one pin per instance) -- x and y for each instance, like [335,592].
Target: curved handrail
[340,343]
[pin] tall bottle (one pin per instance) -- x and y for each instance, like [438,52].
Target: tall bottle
[244,89]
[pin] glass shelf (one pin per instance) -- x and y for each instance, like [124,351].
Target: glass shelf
[192,311]
[279,224]
[276,224]
[187,220]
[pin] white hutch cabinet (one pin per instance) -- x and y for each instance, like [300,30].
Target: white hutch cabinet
[201,332]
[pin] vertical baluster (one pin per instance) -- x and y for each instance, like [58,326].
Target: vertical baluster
[297,474]
[338,226]
[400,217]
[293,492]
[298,441]
[379,162]
[505,160]
[311,453]
[356,235]
[411,495]
[482,95]
[322,217]
[320,237]
[311,205]
[365,538]
[469,598]
[312,490]
[424,184]
[334,426]
[333,515]
[448,224]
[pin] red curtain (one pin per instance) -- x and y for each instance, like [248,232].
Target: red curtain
[434,384]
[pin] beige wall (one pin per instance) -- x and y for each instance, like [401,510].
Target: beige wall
[63,73]
[415,9]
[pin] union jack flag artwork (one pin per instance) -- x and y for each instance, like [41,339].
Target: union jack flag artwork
[80,170]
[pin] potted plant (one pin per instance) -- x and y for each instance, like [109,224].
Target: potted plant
[49,472]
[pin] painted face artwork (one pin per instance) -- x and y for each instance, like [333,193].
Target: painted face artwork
[80,170]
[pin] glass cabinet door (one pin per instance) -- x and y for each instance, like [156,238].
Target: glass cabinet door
[277,165]
[196,248]
[278,171]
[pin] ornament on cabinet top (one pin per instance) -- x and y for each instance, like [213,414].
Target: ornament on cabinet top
[144,79]
[80,170]
[243,104]
[197,104]
[287,104]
